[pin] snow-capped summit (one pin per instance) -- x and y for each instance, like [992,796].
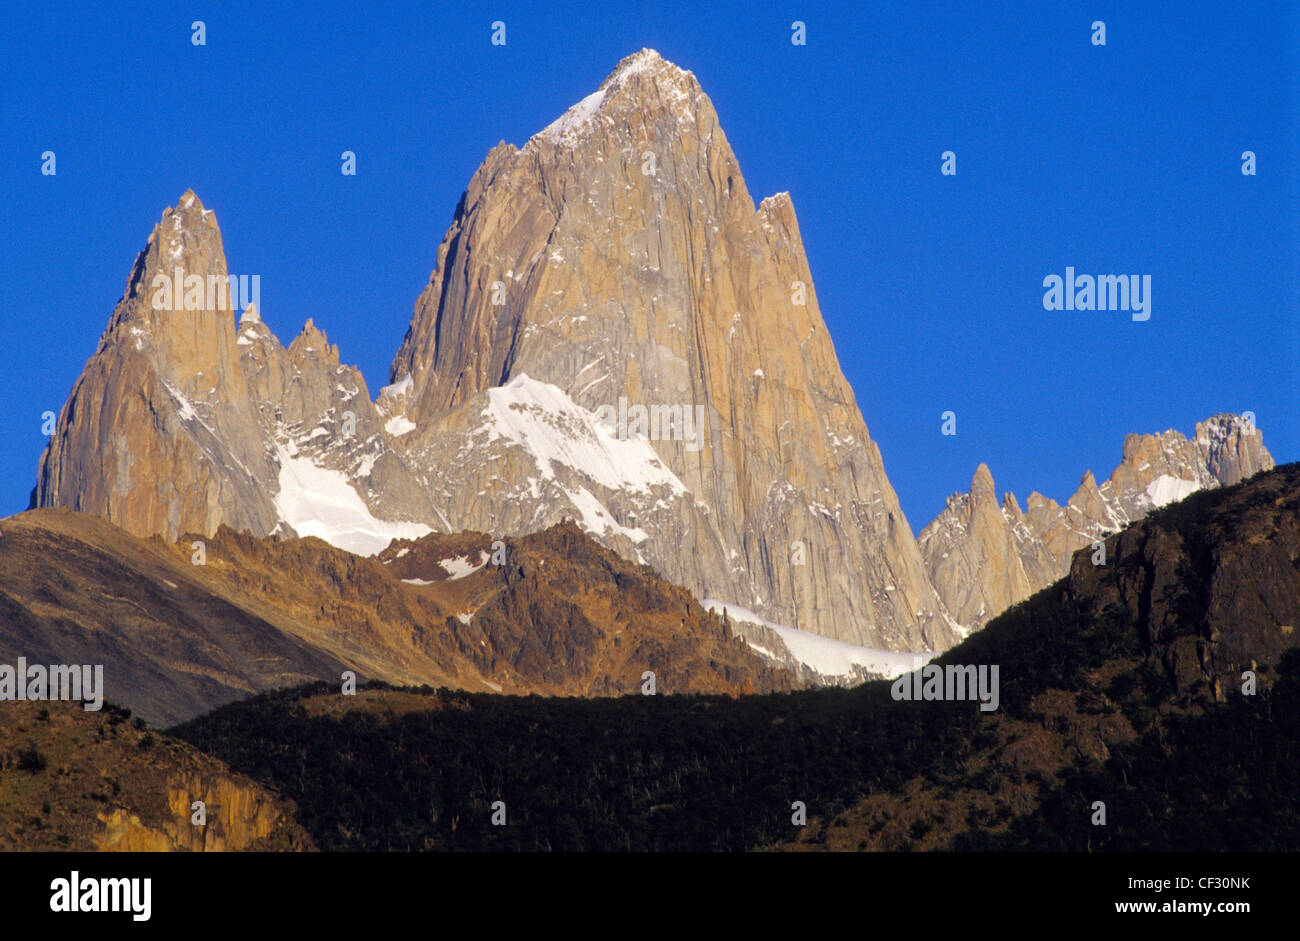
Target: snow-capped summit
[642,83]
[636,272]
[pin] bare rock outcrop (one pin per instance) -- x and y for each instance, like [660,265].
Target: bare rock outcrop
[982,560]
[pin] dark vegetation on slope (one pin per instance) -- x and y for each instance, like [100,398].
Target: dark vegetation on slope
[1120,683]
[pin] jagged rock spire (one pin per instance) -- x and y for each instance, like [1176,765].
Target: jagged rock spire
[619,256]
[982,563]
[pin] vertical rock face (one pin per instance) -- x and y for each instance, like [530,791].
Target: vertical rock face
[982,557]
[982,560]
[613,332]
[244,817]
[618,255]
[159,434]
[181,423]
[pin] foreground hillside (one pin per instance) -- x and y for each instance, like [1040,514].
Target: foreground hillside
[77,780]
[1121,684]
[561,615]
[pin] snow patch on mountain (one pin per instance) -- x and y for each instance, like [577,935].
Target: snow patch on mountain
[643,61]
[566,128]
[184,407]
[544,421]
[460,566]
[322,503]
[597,520]
[829,657]
[399,425]
[1166,489]
[400,387]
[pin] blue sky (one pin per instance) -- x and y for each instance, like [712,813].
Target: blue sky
[1117,159]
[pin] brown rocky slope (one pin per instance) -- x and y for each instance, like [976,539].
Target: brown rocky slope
[561,616]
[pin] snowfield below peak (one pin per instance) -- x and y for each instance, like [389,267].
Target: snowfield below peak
[1166,489]
[828,656]
[554,429]
[597,520]
[460,566]
[319,502]
[399,425]
[400,387]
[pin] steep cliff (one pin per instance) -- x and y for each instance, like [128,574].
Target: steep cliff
[82,781]
[613,332]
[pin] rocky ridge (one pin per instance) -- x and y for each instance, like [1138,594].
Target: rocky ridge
[616,262]
[983,557]
[560,616]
